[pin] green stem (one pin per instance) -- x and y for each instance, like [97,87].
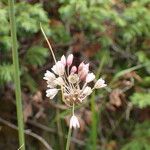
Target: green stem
[68,139]
[69,132]
[16,74]
[59,128]
[94,122]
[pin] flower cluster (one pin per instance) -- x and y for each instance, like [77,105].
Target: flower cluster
[72,81]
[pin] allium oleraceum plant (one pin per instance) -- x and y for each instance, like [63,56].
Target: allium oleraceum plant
[73,82]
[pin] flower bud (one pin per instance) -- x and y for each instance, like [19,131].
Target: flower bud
[73,69]
[80,67]
[69,60]
[63,60]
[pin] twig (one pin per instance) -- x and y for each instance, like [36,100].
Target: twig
[27,132]
[47,129]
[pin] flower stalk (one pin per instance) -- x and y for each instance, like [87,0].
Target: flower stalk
[16,74]
[73,82]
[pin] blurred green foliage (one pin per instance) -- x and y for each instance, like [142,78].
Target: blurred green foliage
[140,138]
[120,27]
[28,19]
[141,99]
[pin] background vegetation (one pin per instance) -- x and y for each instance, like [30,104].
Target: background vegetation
[114,35]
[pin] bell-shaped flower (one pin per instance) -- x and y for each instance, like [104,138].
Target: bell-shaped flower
[90,77]
[83,73]
[49,76]
[51,93]
[80,67]
[51,84]
[59,81]
[100,84]
[74,122]
[87,91]
[69,60]
[59,68]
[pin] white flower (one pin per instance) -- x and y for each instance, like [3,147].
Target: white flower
[74,122]
[49,76]
[59,81]
[72,81]
[51,93]
[59,68]
[51,84]
[87,91]
[100,84]
[90,77]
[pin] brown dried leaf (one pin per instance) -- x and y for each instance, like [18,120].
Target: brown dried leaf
[116,97]
[88,117]
[91,49]
[37,97]
[27,112]
[112,145]
[110,107]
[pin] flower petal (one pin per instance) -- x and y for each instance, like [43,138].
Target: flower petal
[51,93]
[59,68]
[90,77]
[74,122]
[100,84]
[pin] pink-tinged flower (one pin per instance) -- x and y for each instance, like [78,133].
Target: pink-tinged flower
[80,67]
[90,77]
[59,68]
[72,82]
[100,84]
[83,73]
[74,122]
[73,69]
[86,66]
[51,93]
[69,60]
[63,60]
